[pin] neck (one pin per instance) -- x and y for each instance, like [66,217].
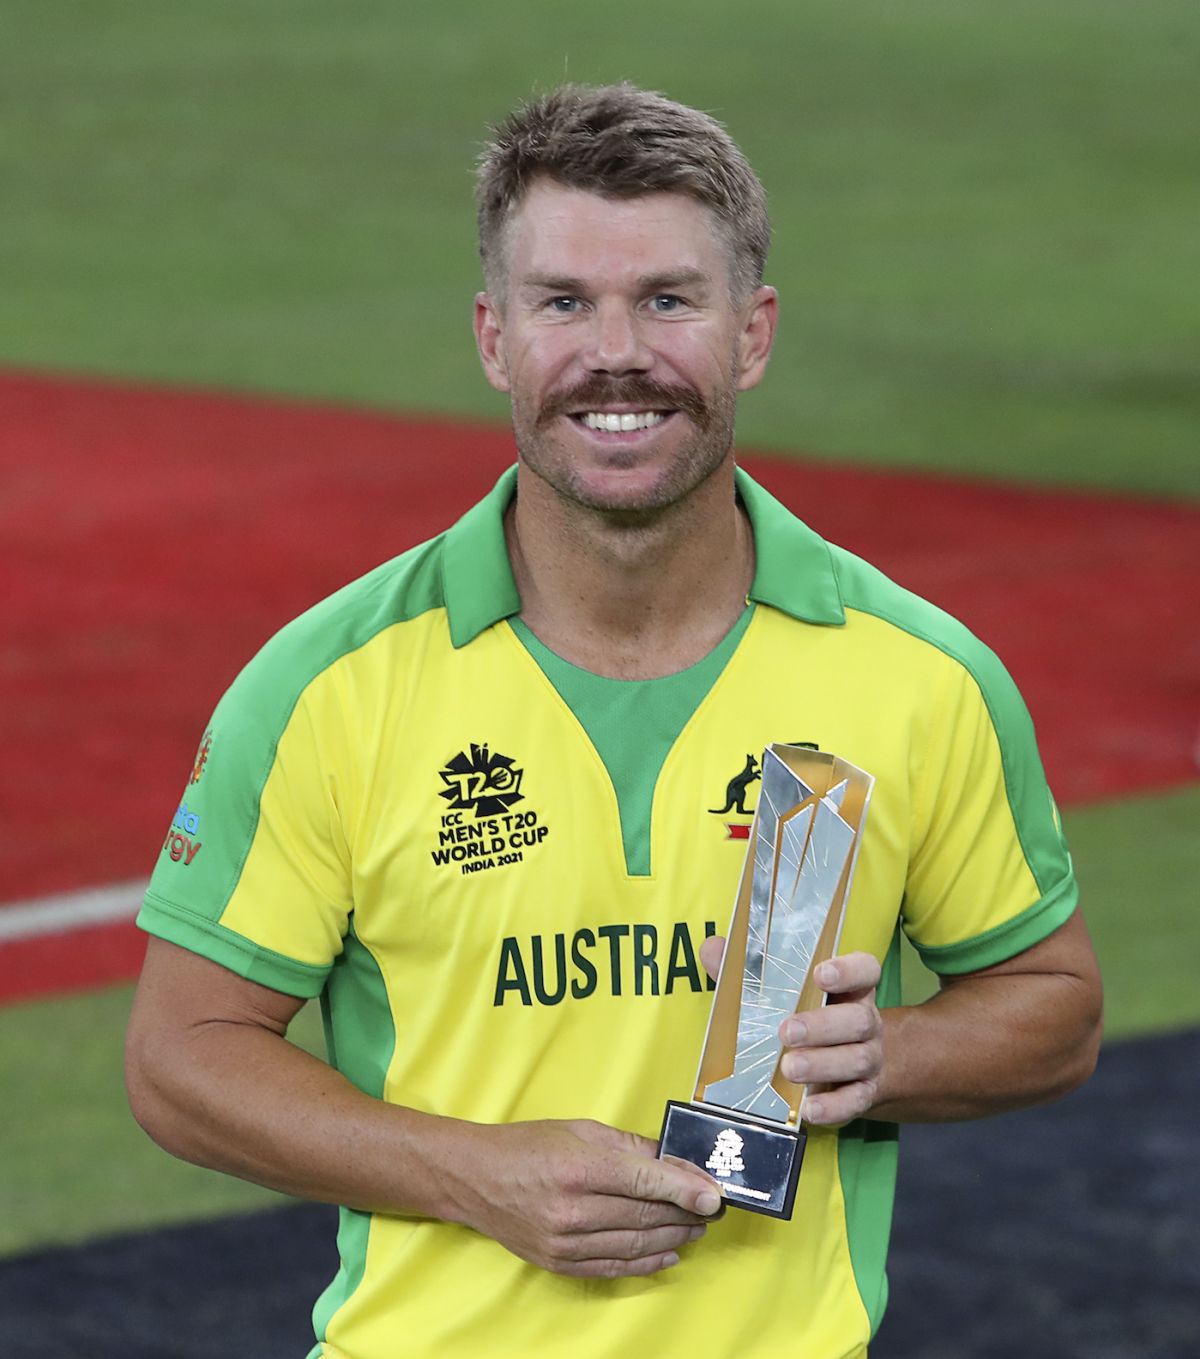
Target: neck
[631,599]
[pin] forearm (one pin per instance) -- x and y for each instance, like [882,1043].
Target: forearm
[213,1079]
[985,1044]
[243,1100]
[573,1197]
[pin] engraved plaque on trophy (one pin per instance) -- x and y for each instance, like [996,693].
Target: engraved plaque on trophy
[743,1124]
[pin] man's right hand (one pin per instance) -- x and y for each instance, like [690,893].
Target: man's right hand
[212,1078]
[582,1198]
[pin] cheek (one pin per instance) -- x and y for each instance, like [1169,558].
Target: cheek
[705,361]
[531,365]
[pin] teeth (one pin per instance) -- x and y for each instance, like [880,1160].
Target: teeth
[615,424]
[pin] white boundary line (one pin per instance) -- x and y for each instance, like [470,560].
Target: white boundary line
[65,911]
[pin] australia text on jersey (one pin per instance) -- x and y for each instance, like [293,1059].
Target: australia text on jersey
[609,960]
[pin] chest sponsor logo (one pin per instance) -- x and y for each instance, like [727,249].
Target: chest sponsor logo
[736,791]
[483,828]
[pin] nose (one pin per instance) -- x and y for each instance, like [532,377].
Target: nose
[617,344]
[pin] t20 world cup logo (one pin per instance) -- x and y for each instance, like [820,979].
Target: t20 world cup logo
[486,783]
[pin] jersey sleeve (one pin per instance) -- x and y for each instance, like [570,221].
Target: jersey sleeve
[989,873]
[255,869]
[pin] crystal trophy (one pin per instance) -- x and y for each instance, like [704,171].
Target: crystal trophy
[743,1124]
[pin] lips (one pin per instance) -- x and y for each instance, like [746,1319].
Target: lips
[607,406]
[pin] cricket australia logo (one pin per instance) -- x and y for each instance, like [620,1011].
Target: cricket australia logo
[736,790]
[735,799]
[479,830]
[726,1157]
[487,784]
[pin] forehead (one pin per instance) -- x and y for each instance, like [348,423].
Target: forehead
[562,232]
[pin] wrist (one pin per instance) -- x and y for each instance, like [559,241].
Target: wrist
[889,1085]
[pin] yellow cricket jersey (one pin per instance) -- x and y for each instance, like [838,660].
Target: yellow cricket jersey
[398,808]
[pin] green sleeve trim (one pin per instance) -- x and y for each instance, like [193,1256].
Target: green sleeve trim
[1024,782]
[256,710]
[1014,936]
[197,933]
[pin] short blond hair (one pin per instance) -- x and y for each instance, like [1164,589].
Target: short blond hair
[621,141]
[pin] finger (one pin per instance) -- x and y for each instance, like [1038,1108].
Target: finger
[618,1269]
[630,1245]
[679,1161]
[632,1170]
[615,1212]
[663,1181]
[853,972]
[833,1107]
[711,953]
[832,1066]
[849,1022]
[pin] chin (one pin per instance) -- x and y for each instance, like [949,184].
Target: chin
[637,496]
[628,482]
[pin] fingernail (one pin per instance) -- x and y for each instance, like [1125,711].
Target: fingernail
[669,1260]
[696,1233]
[813,1110]
[708,1203]
[796,1068]
[795,1031]
[827,974]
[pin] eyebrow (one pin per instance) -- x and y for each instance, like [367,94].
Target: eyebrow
[647,283]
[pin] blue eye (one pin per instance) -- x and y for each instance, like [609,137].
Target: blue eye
[665,303]
[564,305]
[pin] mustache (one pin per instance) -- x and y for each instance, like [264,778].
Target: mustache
[596,392]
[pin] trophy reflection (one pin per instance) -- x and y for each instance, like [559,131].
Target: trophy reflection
[743,1124]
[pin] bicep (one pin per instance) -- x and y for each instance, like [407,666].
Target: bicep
[180,992]
[1066,952]
[209,1074]
[1051,992]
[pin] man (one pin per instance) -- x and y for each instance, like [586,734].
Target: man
[465,801]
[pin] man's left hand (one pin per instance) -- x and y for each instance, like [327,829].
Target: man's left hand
[839,1045]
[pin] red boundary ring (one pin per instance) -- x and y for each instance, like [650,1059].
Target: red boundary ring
[158,537]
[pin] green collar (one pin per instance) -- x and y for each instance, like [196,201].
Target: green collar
[793,566]
[794,569]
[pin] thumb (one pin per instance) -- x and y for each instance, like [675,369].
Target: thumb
[711,953]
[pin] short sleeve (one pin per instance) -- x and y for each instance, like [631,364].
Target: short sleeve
[255,869]
[989,874]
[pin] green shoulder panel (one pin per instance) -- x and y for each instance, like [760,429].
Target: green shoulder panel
[1035,817]
[215,825]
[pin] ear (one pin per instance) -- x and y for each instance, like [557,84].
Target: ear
[759,318]
[489,340]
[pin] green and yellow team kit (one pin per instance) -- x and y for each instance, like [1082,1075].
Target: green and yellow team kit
[496,871]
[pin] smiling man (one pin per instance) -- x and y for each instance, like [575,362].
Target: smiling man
[619,331]
[466,802]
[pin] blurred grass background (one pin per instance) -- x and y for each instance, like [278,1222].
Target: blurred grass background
[986,244]
[986,215]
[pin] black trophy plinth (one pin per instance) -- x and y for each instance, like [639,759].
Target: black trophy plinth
[756,1164]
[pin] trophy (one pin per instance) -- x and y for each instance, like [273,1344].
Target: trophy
[743,1124]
